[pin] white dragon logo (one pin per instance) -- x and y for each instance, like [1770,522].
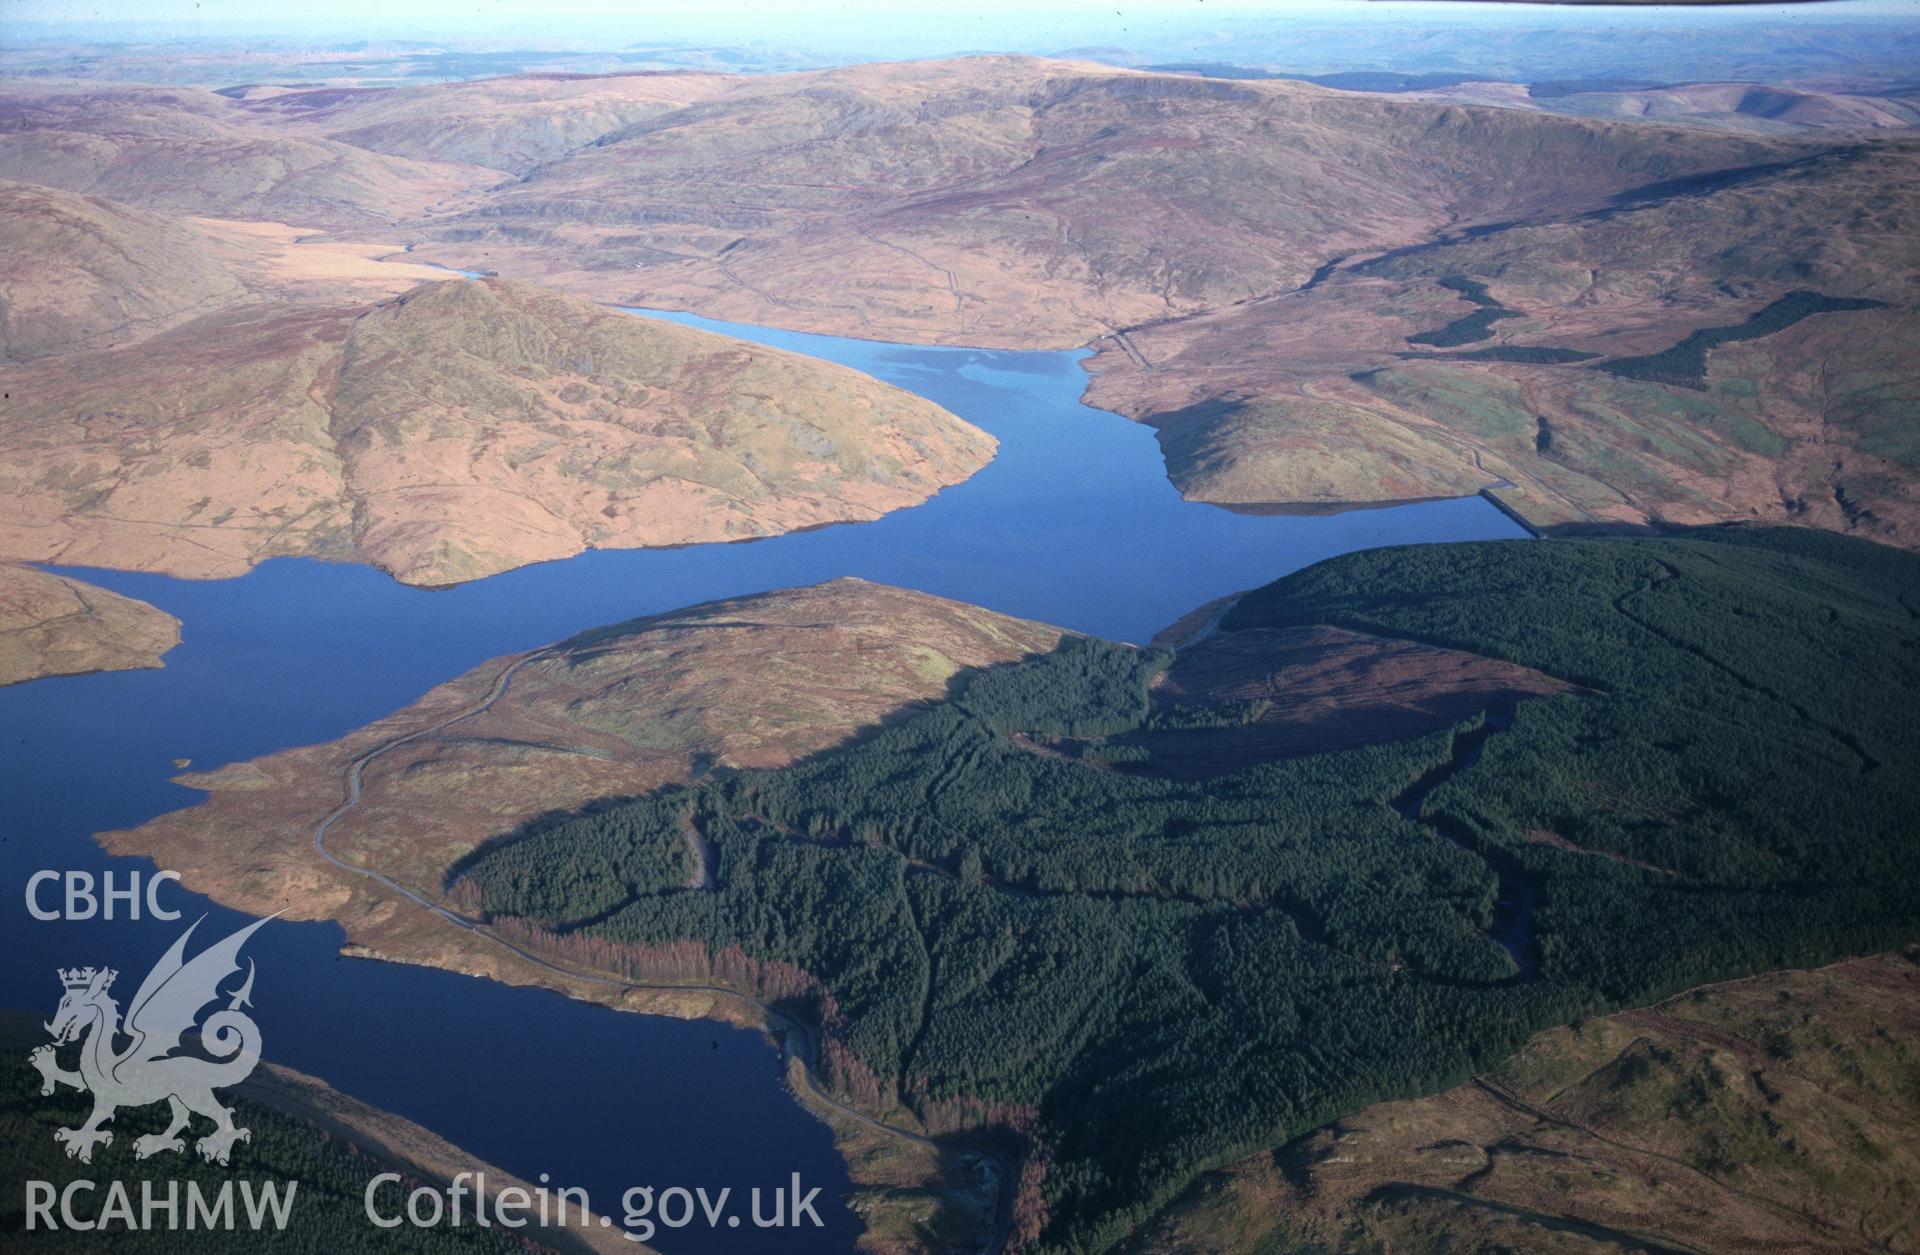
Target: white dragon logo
[167,1006]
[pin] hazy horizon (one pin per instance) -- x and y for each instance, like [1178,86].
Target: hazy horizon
[1008,25]
[429,40]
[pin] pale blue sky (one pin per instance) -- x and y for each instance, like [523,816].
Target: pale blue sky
[827,19]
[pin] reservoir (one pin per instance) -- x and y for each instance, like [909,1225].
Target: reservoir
[1074,523]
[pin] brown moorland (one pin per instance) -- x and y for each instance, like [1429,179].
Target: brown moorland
[1253,259]
[1750,108]
[53,625]
[460,430]
[1009,201]
[1769,1114]
[79,272]
[512,125]
[190,152]
[1334,394]
[122,448]
[1240,250]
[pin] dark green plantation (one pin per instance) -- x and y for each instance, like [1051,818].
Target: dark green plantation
[1523,354]
[1685,364]
[1155,976]
[1471,327]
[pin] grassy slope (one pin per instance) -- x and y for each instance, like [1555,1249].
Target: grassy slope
[53,625]
[80,272]
[458,431]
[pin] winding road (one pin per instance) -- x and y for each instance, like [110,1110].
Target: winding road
[799,1036]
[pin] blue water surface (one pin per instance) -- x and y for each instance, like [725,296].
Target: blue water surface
[1074,522]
